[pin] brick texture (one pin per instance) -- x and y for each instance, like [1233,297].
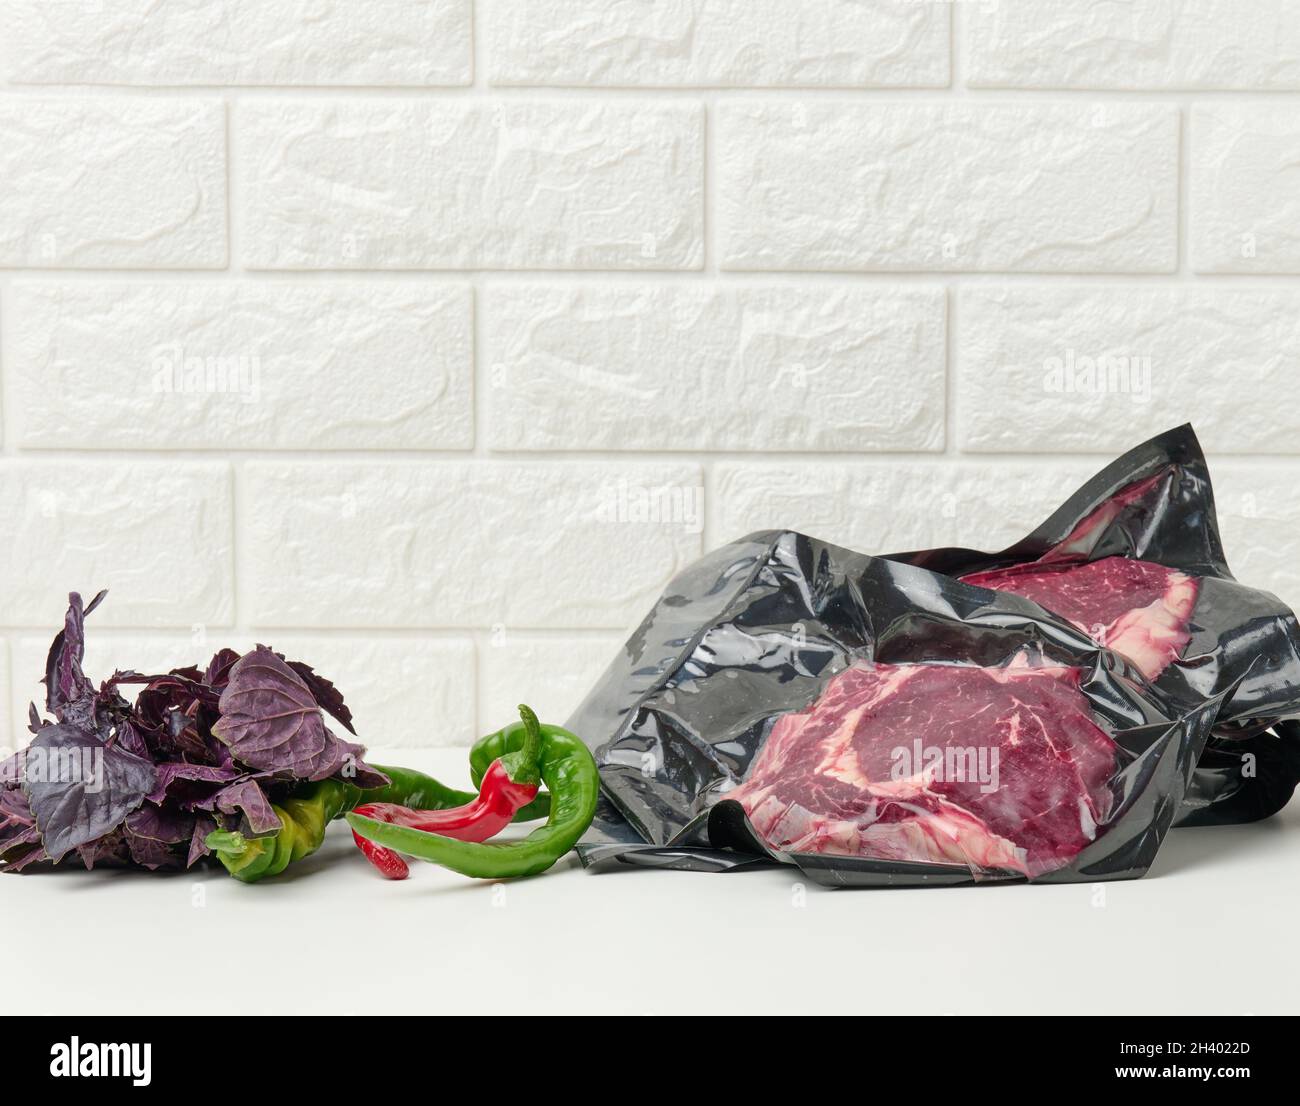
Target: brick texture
[1245,203]
[691,366]
[112,183]
[415,544]
[1193,44]
[237,42]
[758,43]
[211,365]
[811,185]
[158,535]
[472,184]
[1096,368]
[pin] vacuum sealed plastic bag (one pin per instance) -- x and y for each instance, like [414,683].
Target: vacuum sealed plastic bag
[875,722]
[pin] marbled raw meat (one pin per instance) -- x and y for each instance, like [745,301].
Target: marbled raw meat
[1135,607]
[828,778]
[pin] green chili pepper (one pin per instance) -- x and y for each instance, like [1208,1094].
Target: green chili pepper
[570,775]
[304,818]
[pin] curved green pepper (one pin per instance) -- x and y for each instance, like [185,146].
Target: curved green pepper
[569,772]
[304,818]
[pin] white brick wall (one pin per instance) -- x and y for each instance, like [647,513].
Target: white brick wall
[426,340]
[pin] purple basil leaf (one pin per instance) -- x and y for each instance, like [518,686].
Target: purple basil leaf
[95,786]
[247,796]
[218,670]
[161,823]
[153,834]
[111,849]
[17,825]
[21,861]
[174,774]
[14,807]
[65,683]
[187,680]
[11,770]
[173,716]
[69,694]
[357,771]
[272,722]
[130,739]
[20,841]
[154,855]
[204,824]
[325,693]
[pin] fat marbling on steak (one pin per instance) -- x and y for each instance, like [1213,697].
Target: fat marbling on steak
[1137,608]
[993,768]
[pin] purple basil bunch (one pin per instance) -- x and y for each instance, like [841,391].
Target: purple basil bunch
[144,783]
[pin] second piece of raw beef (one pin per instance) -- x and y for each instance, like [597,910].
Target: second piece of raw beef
[1135,607]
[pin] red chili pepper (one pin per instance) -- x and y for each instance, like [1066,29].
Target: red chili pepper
[389,863]
[510,783]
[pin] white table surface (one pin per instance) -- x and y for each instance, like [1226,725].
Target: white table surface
[1211,930]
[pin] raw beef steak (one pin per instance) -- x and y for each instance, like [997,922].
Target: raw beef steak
[1135,607]
[988,767]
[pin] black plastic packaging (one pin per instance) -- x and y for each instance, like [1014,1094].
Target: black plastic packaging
[756,629]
